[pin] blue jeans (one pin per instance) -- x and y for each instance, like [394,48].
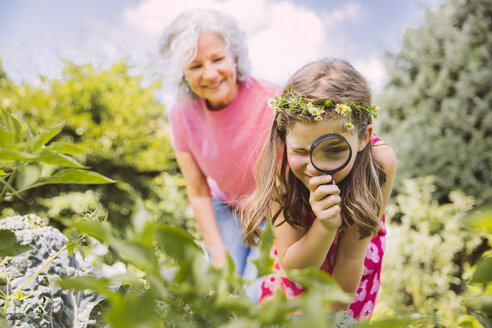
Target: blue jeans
[232,235]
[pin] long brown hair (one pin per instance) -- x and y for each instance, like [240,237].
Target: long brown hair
[361,193]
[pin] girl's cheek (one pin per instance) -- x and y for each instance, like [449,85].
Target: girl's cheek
[297,163]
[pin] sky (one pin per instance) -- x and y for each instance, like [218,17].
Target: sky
[282,35]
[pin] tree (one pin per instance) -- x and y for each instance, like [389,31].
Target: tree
[438,99]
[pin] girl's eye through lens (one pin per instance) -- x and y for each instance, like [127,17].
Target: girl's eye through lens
[330,153]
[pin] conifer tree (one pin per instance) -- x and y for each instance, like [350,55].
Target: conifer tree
[438,99]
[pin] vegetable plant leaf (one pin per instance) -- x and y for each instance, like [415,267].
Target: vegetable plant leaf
[5,136]
[98,285]
[51,157]
[45,137]
[319,282]
[136,253]
[99,230]
[9,245]
[75,176]
[483,271]
[13,125]
[481,219]
[482,303]
[177,243]
[15,155]
[264,263]
[65,148]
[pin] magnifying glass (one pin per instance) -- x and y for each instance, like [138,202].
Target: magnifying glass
[330,153]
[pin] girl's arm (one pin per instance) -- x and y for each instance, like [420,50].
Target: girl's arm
[385,154]
[201,202]
[351,252]
[349,263]
[302,247]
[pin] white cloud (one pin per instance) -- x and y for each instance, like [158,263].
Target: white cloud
[291,37]
[338,17]
[373,70]
[282,36]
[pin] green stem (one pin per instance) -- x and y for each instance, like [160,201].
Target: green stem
[7,278]
[40,269]
[9,182]
[13,192]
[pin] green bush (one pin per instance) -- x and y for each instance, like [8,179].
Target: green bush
[118,122]
[438,100]
[428,257]
[110,112]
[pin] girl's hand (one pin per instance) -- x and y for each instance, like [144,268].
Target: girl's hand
[325,201]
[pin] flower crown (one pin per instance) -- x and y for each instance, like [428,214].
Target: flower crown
[297,103]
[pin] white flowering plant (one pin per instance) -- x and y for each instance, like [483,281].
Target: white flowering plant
[303,106]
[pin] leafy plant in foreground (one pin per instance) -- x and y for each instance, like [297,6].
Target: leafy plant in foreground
[479,302]
[169,283]
[28,159]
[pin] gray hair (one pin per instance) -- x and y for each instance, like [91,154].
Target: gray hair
[179,40]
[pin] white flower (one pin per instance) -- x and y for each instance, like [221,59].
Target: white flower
[315,111]
[338,109]
[342,109]
[318,118]
[349,125]
[377,108]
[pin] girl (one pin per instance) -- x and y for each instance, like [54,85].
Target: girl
[332,222]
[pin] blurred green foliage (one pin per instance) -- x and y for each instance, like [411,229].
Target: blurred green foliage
[109,112]
[430,258]
[27,162]
[115,118]
[438,100]
[169,283]
[437,116]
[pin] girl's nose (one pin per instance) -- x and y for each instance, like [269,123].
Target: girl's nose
[311,169]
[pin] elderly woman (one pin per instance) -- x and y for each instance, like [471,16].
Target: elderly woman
[219,124]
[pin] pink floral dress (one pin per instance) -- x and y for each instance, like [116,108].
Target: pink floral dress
[364,299]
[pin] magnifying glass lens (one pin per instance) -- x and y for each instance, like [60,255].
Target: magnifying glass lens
[331,155]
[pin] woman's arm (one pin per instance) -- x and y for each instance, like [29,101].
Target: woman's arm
[201,202]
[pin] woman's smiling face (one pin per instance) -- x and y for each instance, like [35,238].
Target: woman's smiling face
[301,136]
[212,73]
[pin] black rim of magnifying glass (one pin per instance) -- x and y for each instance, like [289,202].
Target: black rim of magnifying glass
[320,140]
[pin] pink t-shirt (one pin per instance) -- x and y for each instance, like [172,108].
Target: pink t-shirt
[226,143]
